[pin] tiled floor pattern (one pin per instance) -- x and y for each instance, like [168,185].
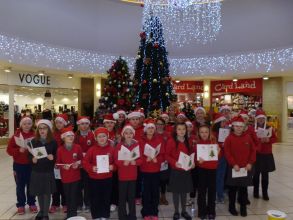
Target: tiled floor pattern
[281,192]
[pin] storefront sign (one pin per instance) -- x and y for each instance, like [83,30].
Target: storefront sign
[35,79]
[188,87]
[242,85]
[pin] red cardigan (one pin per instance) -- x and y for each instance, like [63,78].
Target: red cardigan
[240,150]
[85,142]
[57,137]
[127,173]
[150,166]
[65,156]
[89,161]
[13,148]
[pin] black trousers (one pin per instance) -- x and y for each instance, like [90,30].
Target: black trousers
[138,192]
[242,195]
[127,195]
[206,192]
[115,192]
[150,194]
[58,198]
[83,191]
[100,197]
[194,175]
[70,190]
[264,181]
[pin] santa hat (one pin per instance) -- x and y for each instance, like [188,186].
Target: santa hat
[127,126]
[134,114]
[219,117]
[25,119]
[225,107]
[141,112]
[109,117]
[244,113]
[68,131]
[62,118]
[83,119]
[101,130]
[46,122]
[116,114]
[199,108]
[188,123]
[149,123]
[238,121]
[165,114]
[260,114]
[181,114]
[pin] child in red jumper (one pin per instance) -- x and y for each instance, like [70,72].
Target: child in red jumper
[69,157]
[150,169]
[265,162]
[240,153]
[127,174]
[85,138]
[207,171]
[100,183]
[180,179]
[61,121]
[21,166]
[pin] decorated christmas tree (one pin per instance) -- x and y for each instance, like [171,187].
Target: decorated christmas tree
[153,87]
[118,90]
[189,112]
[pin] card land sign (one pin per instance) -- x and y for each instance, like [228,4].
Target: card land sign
[188,87]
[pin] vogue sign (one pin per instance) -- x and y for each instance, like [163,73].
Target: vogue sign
[34,79]
[188,87]
[243,85]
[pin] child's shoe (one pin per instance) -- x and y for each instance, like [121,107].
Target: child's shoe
[20,210]
[33,209]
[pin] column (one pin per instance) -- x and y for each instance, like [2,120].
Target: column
[98,91]
[11,111]
[206,93]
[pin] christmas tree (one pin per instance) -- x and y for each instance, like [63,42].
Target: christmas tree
[189,112]
[118,90]
[153,87]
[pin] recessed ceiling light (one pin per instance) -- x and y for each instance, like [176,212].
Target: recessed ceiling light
[70,76]
[41,73]
[265,77]
[235,80]
[177,81]
[7,70]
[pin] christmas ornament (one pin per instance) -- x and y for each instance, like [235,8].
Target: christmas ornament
[144,82]
[155,80]
[142,35]
[156,45]
[147,61]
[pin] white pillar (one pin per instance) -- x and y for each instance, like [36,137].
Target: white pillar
[11,111]
[206,93]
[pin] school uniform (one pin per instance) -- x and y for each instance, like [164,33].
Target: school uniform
[151,177]
[127,176]
[85,142]
[71,177]
[194,172]
[100,183]
[22,170]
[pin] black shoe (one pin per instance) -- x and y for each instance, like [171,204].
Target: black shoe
[265,197]
[186,216]
[202,217]
[256,194]
[233,211]
[243,211]
[176,216]
[211,217]
[38,218]
[45,218]
[247,202]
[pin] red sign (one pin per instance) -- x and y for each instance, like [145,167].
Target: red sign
[242,85]
[188,87]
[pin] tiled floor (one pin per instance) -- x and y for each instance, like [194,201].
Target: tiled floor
[281,192]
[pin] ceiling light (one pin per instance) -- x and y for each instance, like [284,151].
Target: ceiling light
[41,73]
[70,76]
[177,81]
[7,70]
[265,77]
[235,80]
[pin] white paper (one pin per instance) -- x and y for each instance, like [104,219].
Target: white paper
[241,173]
[263,133]
[21,142]
[208,152]
[57,174]
[39,152]
[223,134]
[164,166]
[126,154]
[186,161]
[103,164]
[151,152]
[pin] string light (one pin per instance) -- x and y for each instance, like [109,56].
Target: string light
[38,54]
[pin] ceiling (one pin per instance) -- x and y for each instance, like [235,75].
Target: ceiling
[112,27]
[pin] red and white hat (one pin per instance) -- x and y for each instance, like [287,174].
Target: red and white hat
[199,109]
[225,107]
[141,112]
[109,117]
[62,118]
[260,114]
[165,114]
[188,123]
[127,126]
[149,123]
[68,131]
[101,130]
[244,113]
[46,122]
[25,119]
[119,112]
[83,119]
[134,114]
[238,121]
[219,117]
[181,115]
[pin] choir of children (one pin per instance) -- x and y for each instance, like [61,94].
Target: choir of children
[132,160]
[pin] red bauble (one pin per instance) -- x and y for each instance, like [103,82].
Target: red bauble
[156,45]
[121,101]
[144,82]
[142,35]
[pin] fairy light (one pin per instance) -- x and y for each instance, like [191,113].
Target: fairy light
[16,50]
